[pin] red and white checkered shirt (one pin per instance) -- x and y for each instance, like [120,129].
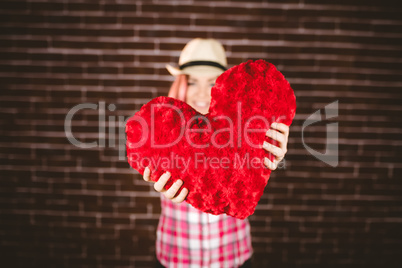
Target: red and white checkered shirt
[188,237]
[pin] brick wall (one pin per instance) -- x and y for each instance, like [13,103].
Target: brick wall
[65,206]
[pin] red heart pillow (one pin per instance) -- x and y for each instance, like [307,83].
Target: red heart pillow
[218,155]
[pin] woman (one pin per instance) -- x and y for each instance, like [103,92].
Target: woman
[187,237]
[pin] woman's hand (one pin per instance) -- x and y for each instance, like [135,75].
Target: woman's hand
[280,133]
[159,186]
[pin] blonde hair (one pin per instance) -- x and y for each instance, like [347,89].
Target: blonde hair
[178,89]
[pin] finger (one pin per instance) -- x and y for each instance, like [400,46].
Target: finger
[276,135]
[147,174]
[180,198]
[281,127]
[182,87]
[172,191]
[269,164]
[280,138]
[160,184]
[278,152]
[175,87]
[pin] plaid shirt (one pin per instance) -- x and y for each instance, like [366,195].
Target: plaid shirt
[188,237]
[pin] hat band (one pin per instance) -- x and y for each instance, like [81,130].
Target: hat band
[202,62]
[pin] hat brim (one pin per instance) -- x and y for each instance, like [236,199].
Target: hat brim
[199,70]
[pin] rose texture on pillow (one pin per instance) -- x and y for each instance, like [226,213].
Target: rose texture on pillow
[219,156]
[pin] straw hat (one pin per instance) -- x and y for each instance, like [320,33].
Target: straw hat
[201,57]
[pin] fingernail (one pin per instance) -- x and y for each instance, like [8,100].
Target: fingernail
[268,133]
[268,163]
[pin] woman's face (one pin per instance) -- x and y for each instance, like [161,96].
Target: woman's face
[199,92]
